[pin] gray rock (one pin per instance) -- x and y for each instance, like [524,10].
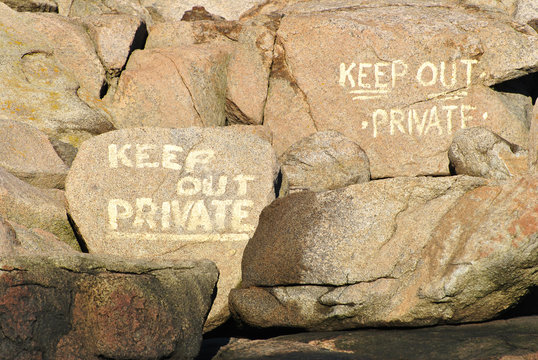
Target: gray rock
[395,252]
[526,12]
[27,153]
[326,160]
[513,339]
[173,193]
[34,208]
[87,307]
[38,242]
[479,152]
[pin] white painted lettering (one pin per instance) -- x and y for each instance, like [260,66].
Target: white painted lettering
[198,157]
[141,156]
[469,64]
[464,117]
[188,186]
[362,75]
[199,217]
[181,216]
[220,212]
[413,118]
[114,155]
[395,73]
[169,156]
[238,214]
[114,215]
[396,118]
[384,118]
[378,73]
[207,186]
[420,73]
[449,109]
[145,213]
[346,74]
[242,183]
[434,121]
[453,77]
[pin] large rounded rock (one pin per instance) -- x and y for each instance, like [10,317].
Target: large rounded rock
[399,80]
[87,307]
[173,193]
[326,160]
[403,251]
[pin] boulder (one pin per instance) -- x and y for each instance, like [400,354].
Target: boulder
[74,49]
[169,10]
[326,160]
[37,88]
[172,87]
[399,84]
[87,307]
[34,208]
[394,252]
[115,36]
[251,49]
[479,152]
[512,339]
[173,193]
[32,5]
[28,154]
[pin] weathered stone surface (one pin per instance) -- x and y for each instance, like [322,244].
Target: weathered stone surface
[74,50]
[115,37]
[28,154]
[38,241]
[513,339]
[36,87]
[32,5]
[251,49]
[172,87]
[170,10]
[526,12]
[442,247]
[34,208]
[83,8]
[533,142]
[87,307]
[248,75]
[8,238]
[479,152]
[400,83]
[326,160]
[173,193]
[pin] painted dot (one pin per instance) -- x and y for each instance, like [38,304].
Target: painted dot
[485,115]
[364,124]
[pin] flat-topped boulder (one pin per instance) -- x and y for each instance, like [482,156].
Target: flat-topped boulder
[173,193]
[399,80]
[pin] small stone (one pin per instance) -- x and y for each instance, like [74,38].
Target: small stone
[28,154]
[479,152]
[326,160]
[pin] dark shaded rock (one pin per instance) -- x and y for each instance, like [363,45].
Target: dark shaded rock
[87,307]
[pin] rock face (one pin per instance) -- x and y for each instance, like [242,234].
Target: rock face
[533,142]
[513,339]
[32,5]
[399,83]
[28,154]
[170,10]
[326,160]
[441,248]
[37,88]
[34,208]
[87,307]
[479,152]
[8,238]
[172,87]
[173,193]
